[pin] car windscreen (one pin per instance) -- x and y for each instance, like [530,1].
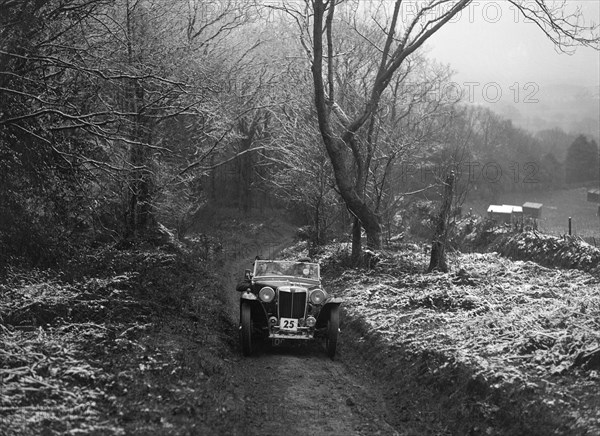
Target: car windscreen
[267,268]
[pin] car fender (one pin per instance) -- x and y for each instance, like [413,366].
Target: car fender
[323,316]
[259,314]
[247,295]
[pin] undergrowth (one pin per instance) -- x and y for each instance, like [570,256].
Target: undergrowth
[82,347]
[496,346]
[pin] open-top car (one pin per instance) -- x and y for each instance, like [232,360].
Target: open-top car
[284,300]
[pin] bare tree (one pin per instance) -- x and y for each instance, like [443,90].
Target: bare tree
[402,36]
[99,87]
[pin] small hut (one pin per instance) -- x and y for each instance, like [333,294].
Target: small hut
[532,210]
[593,196]
[500,213]
[517,211]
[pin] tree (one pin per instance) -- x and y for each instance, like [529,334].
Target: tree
[417,125]
[438,246]
[552,171]
[42,194]
[581,163]
[303,176]
[345,136]
[555,141]
[340,145]
[92,93]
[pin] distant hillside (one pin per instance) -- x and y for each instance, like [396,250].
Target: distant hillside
[575,109]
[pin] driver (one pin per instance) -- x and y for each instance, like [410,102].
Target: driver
[262,269]
[303,269]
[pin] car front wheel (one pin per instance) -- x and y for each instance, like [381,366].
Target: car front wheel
[246,328]
[333,327]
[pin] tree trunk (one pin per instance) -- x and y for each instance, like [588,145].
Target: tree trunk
[248,128]
[356,242]
[337,148]
[318,239]
[438,246]
[139,214]
[355,203]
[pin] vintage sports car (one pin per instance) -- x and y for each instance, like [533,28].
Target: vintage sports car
[283,301]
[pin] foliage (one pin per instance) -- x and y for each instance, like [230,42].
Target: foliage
[349,131]
[117,116]
[556,142]
[507,346]
[554,251]
[581,163]
[75,343]
[106,108]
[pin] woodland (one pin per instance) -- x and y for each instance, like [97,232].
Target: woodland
[117,118]
[141,139]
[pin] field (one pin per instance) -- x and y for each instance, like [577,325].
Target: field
[558,207]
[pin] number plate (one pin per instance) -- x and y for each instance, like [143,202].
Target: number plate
[288,324]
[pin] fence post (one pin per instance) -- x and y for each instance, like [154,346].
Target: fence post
[569,226]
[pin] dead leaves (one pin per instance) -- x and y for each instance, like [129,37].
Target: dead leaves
[43,374]
[566,252]
[515,323]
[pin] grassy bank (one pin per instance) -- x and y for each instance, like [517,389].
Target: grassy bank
[497,347]
[131,341]
[120,342]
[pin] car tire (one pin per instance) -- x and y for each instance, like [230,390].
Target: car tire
[246,328]
[333,327]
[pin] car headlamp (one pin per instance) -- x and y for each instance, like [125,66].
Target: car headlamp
[266,294]
[317,296]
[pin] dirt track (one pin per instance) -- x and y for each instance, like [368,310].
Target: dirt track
[297,390]
[300,391]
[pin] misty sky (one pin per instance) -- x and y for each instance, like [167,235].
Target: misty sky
[488,43]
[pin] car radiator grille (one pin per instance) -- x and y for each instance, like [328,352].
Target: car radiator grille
[292,304]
